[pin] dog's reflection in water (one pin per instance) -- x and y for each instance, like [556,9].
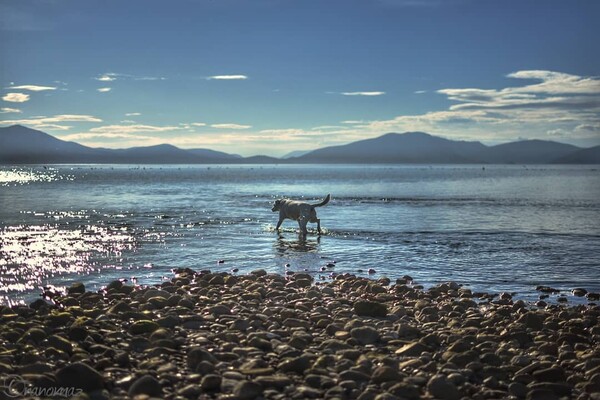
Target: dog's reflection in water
[300,244]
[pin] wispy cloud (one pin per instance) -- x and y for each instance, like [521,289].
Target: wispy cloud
[124,134]
[104,89]
[128,129]
[231,126]
[33,88]
[85,136]
[16,97]
[363,93]
[6,110]
[198,124]
[227,77]
[133,114]
[353,121]
[326,127]
[420,91]
[54,122]
[113,76]
[282,132]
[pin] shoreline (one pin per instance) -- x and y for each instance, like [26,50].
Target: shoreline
[216,335]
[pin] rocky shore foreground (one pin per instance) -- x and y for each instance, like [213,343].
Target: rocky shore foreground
[205,335]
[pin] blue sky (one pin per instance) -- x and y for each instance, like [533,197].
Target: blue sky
[269,77]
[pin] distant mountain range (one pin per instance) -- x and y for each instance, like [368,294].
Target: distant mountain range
[22,145]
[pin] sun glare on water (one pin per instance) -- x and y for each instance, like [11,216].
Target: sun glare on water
[22,176]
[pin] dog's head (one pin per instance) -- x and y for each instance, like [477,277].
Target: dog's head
[276,205]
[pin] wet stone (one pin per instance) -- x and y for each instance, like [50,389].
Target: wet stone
[370,309]
[81,376]
[146,384]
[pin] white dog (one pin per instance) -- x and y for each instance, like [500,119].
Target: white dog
[298,211]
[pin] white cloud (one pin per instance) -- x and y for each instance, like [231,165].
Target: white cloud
[557,104]
[53,122]
[227,77]
[285,132]
[420,91]
[108,135]
[230,126]
[5,110]
[54,127]
[113,76]
[128,129]
[133,114]
[353,121]
[198,124]
[106,77]
[363,93]
[33,88]
[326,127]
[104,89]
[588,128]
[124,135]
[16,97]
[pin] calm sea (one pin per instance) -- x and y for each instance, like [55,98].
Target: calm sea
[492,228]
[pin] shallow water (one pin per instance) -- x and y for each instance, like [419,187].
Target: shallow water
[492,228]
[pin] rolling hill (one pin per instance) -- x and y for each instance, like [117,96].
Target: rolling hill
[22,145]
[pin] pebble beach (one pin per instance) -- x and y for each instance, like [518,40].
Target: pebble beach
[204,335]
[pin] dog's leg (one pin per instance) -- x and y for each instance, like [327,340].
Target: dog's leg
[279,223]
[302,223]
[318,225]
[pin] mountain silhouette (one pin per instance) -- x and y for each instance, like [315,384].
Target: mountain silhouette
[22,145]
[529,152]
[410,147]
[583,156]
[423,148]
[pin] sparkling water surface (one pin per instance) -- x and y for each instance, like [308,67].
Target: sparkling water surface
[491,228]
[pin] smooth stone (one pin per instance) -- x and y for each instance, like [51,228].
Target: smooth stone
[297,364]
[76,288]
[116,285]
[370,309]
[385,374]
[532,320]
[210,382]
[143,326]
[191,391]
[517,389]
[147,384]
[60,343]
[414,349]
[247,390]
[405,390]
[219,309]
[196,355]
[365,335]
[353,375]
[278,382]
[80,376]
[552,374]
[440,387]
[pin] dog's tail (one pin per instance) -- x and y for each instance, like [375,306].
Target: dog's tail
[323,202]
